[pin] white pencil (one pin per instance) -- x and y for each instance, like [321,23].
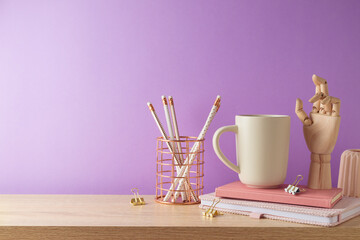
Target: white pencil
[176,129]
[177,135]
[189,160]
[171,136]
[162,131]
[161,128]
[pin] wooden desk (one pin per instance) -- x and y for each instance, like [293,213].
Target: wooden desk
[113,217]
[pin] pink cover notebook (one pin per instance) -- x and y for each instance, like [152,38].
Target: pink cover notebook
[310,197]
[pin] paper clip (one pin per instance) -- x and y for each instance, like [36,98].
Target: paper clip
[211,212]
[293,188]
[137,200]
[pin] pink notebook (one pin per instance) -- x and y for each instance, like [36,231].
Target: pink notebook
[310,197]
[346,209]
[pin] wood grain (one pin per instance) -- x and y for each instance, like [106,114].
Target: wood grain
[112,217]
[321,136]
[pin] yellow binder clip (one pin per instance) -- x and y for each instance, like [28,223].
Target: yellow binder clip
[293,188]
[211,212]
[137,200]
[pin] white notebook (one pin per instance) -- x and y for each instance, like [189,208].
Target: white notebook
[344,210]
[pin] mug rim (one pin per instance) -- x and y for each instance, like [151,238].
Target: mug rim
[263,116]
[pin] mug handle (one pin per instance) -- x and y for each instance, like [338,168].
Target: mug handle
[219,153]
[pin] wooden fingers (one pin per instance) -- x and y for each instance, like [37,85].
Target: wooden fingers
[328,109]
[334,104]
[315,100]
[316,97]
[322,91]
[326,105]
[324,108]
[336,110]
[301,113]
[324,88]
[322,102]
[318,80]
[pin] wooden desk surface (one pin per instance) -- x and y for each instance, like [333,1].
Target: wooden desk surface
[112,216]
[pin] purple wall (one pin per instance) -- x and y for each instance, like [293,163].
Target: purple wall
[75,77]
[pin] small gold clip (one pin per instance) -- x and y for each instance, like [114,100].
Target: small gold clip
[137,200]
[211,212]
[293,188]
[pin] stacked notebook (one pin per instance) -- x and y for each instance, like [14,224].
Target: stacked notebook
[317,207]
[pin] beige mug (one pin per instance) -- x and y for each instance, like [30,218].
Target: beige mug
[262,149]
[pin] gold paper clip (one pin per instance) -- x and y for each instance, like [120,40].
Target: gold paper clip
[137,200]
[293,188]
[211,212]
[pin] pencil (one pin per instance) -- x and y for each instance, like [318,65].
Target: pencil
[176,129]
[171,136]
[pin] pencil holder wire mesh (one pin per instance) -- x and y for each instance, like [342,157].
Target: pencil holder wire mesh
[179,173]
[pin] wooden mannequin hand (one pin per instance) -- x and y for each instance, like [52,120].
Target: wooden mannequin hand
[321,129]
[320,132]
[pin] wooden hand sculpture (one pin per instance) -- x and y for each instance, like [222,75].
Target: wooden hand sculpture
[320,132]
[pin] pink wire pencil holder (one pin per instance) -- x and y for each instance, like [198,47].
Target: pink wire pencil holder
[179,170]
